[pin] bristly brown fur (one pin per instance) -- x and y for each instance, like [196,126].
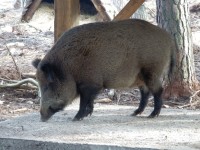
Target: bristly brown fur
[119,54]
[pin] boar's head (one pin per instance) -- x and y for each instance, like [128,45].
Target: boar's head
[57,88]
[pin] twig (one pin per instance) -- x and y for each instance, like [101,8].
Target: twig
[194,95]
[17,68]
[190,102]
[188,105]
[127,94]
[20,110]
[7,80]
[174,103]
[183,106]
[28,75]
[14,85]
[104,100]
[35,28]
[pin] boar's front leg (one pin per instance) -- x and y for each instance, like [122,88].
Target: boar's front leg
[87,96]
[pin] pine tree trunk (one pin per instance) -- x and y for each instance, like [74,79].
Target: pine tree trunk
[173,15]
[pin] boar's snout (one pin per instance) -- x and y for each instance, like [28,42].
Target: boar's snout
[47,113]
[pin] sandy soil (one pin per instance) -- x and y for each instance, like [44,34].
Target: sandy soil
[27,41]
[176,129]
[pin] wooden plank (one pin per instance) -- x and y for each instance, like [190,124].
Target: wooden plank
[31,10]
[102,11]
[66,16]
[129,9]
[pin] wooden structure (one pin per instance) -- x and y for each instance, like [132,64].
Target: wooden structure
[125,13]
[129,9]
[31,10]
[67,12]
[66,16]
[102,11]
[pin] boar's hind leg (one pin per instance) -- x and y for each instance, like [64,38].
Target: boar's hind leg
[87,95]
[152,80]
[156,89]
[144,91]
[157,102]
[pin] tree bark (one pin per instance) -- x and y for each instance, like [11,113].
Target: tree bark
[173,15]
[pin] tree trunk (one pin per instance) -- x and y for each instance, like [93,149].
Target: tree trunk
[173,15]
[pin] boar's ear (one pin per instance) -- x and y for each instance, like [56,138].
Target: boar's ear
[36,62]
[48,71]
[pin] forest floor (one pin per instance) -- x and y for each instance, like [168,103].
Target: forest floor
[26,41]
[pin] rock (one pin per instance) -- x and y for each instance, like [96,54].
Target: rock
[29,102]
[15,44]
[15,52]
[195,38]
[1,102]
[6,29]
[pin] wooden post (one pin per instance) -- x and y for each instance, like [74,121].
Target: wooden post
[129,9]
[102,11]
[31,10]
[66,16]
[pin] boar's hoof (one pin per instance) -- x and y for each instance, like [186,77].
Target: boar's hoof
[81,114]
[137,112]
[77,119]
[154,114]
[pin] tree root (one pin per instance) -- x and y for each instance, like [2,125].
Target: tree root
[19,83]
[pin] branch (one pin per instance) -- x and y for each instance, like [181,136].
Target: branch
[8,80]
[103,100]
[191,97]
[17,68]
[19,83]
[190,102]
[28,75]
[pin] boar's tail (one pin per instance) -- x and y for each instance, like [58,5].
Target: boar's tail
[172,63]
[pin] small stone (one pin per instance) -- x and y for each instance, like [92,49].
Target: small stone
[6,29]
[1,102]
[166,106]
[29,102]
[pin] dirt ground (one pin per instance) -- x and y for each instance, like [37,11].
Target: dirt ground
[26,41]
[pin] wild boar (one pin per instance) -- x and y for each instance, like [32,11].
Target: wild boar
[95,56]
